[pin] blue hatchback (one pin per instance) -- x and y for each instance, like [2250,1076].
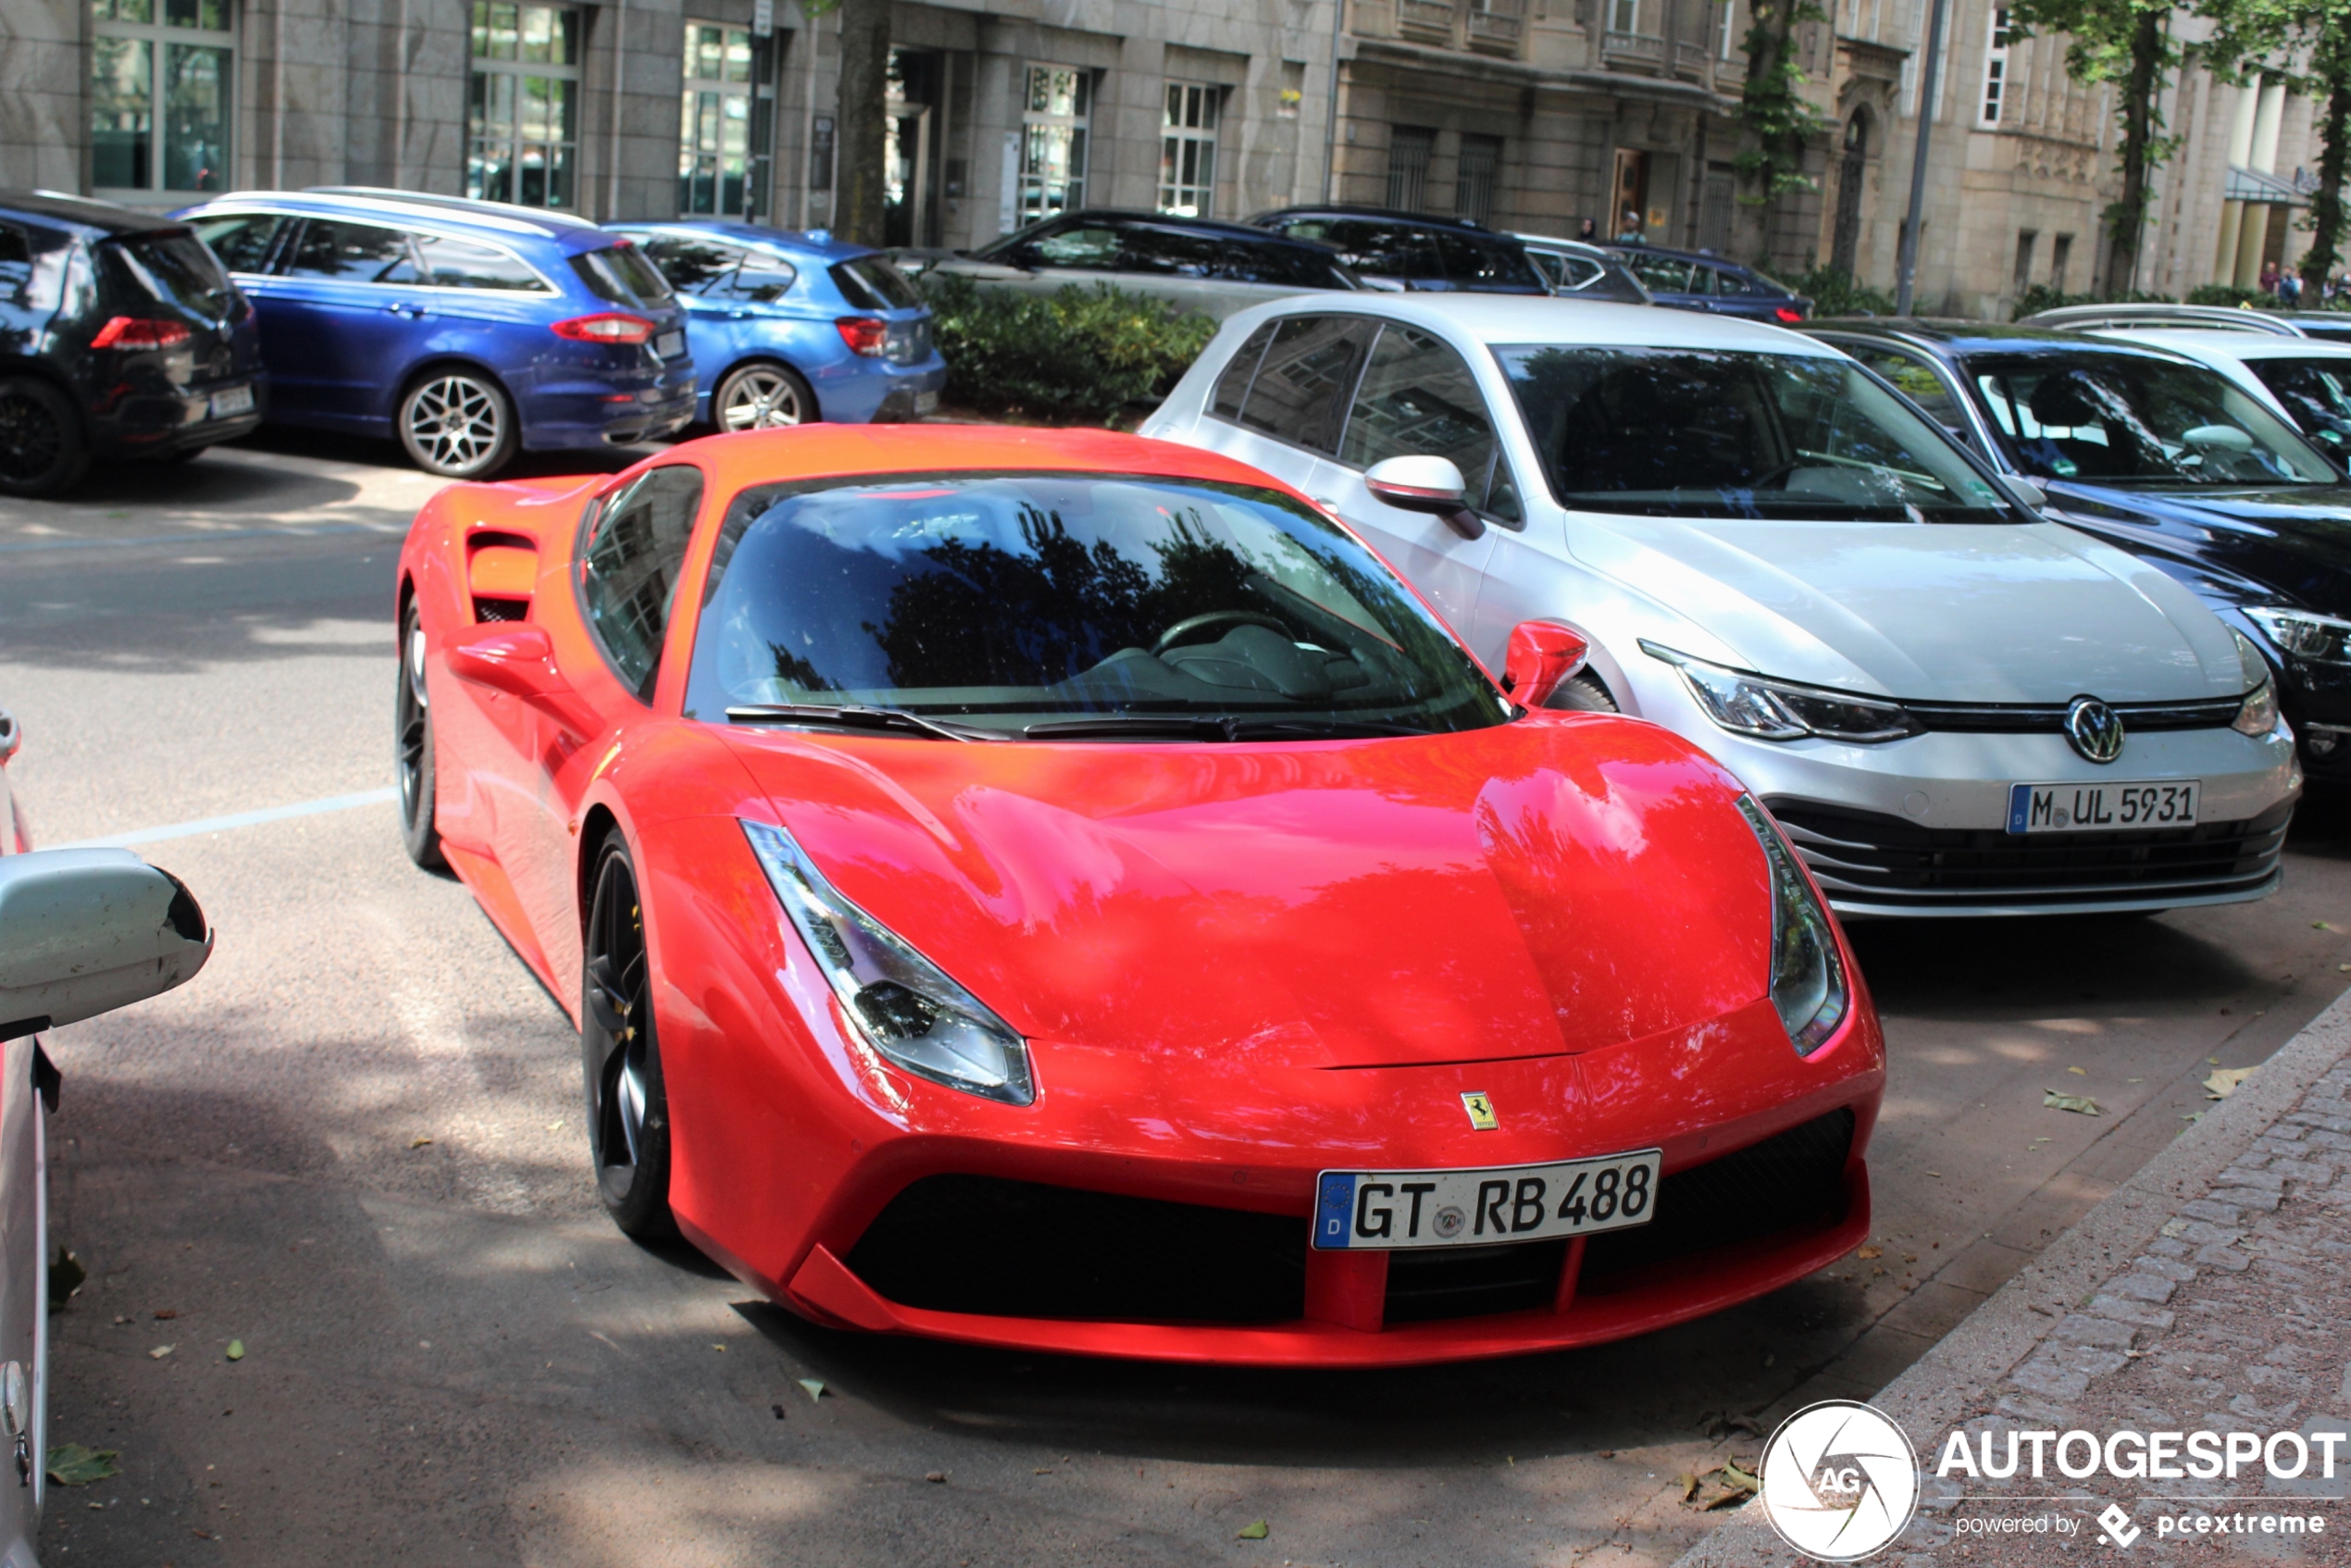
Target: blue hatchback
[787,327]
[469,329]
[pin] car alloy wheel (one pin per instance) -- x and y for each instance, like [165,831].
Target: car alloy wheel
[42,451]
[628,1113]
[412,749]
[764,397]
[456,424]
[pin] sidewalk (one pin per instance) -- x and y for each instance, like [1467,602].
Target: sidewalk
[2211,1291]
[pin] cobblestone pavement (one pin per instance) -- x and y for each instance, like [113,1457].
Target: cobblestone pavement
[2236,1318]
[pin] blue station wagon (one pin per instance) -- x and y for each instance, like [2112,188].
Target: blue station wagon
[787,329]
[468,329]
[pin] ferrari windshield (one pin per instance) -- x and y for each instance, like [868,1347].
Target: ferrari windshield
[1011,600]
[1706,434]
[2128,418]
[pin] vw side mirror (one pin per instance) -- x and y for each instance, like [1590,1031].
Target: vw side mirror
[86,931]
[2027,491]
[1543,656]
[1422,483]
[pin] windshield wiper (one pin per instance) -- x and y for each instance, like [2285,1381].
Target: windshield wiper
[858,716]
[1209,727]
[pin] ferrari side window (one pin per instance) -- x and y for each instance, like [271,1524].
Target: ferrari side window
[629,565]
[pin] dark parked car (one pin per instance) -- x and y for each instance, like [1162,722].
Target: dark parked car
[1695,281]
[2167,459]
[1411,250]
[119,337]
[468,329]
[1195,264]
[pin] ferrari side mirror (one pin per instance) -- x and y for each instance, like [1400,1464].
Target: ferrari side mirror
[86,931]
[518,661]
[11,735]
[1543,656]
[1424,483]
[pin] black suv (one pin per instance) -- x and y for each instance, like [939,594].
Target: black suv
[1411,250]
[119,337]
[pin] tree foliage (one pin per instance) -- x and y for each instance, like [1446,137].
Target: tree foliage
[2253,38]
[1778,118]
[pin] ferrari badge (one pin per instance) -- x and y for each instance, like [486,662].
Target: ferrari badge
[1481,1112]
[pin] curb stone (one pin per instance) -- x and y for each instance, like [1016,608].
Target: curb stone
[2178,1196]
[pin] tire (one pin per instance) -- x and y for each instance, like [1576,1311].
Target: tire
[620,1058]
[186,455]
[1583,694]
[413,749]
[458,424]
[762,395]
[43,450]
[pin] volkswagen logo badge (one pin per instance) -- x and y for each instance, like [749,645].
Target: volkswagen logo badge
[2094,729]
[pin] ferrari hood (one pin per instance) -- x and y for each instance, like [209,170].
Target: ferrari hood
[1933,612]
[1553,884]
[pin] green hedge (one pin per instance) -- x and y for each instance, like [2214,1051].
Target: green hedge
[2040,297]
[2230,294]
[1834,292]
[1078,357]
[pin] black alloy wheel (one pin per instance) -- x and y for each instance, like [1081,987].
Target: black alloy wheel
[42,450]
[412,749]
[628,1113]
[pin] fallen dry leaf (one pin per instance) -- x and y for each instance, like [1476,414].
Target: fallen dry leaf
[2079,1104]
[2078,1072]
[1255,1532]
[2222,1082]
[236,1349]
[418,1142]
[816,1386]
[1866,1253]
[70,1464]
[1688,1483]
[161,1350]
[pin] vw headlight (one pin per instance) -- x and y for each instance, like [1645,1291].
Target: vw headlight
[1779,710]
[1807,977]
[2322,640]
[907,1008]
[2258,714]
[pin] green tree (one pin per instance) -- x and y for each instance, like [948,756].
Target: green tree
[2253,34]
[2330,68]
[2128,42]
[1779,120]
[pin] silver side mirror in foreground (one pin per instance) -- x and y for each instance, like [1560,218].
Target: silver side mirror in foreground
[86,931]
[1422,482]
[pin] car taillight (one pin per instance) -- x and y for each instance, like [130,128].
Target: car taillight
[608,327]
[138,331]
[868,335]
[1787,316]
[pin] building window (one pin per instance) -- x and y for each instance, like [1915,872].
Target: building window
[1409,147]
[162,77]
[2060,253]
[2025,241]
[1187,149]
[1054,118]
[1722,37]
[714,129]
[523,119]
[1996,68]
[1624,16]
[1475,176]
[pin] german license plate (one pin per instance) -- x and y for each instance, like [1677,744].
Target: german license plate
[233,400]
[669,345]
[2102,808]
[1384,1211]
[927,403]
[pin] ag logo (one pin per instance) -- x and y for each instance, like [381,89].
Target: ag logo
[1839,1481]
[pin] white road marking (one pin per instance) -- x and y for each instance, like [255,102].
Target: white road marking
[236,819]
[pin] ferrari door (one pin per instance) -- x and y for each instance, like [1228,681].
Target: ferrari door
[628,573]
[1417,397]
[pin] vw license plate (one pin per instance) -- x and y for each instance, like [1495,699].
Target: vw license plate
[2102,808]
[1376,1210]
[669,345]
[235,400]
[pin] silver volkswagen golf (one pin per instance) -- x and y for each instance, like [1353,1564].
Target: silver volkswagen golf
[1953,705]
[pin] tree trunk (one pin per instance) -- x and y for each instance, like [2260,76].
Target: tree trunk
[865,92]
[2333,66]
[2126,219]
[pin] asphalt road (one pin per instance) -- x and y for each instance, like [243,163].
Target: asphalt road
[451,1357]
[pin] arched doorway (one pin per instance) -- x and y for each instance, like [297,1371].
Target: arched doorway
[1845,242]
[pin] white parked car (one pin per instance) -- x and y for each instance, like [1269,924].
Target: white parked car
[1953,705]
[2307,380]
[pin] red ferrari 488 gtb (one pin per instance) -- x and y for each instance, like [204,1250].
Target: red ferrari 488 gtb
[1060,890]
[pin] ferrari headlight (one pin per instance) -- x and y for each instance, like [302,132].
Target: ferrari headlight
[1807,978]
[2322,640]
[1778,710]
[906,1007]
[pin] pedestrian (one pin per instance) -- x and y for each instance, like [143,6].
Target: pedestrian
[2290,287]
[2269,276]
[1632,234]
[1590,232]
